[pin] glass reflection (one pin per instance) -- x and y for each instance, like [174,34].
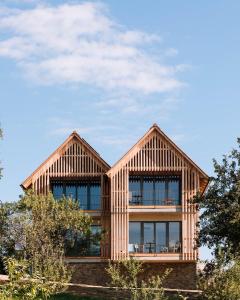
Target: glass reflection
[57,190]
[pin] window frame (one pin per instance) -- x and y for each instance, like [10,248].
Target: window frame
[156,178]
[154,231]
[88,182]
[87,244]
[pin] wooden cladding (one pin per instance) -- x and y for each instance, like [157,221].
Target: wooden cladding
[153,154]
[73,159]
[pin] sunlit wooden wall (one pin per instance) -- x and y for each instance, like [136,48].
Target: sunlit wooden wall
[153,153]
[75,159]
[72,161]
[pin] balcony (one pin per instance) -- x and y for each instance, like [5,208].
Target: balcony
[154,190]
[147,199]
[153,248]
[148,238]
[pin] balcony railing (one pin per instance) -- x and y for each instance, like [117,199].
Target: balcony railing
[92,205]
[154,248]
[136,199]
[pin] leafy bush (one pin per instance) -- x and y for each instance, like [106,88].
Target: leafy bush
[125,275]
[220,280]
[22,285]
[33,244]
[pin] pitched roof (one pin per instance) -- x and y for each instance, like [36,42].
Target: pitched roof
[155,127]
[74,135]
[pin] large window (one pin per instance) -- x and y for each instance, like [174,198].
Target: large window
[83,245]
[154,237]
[154,190]
[86,193]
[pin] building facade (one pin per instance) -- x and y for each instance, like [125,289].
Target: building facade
[141,204]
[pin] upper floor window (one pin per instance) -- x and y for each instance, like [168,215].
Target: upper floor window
[86,193]
[154,190]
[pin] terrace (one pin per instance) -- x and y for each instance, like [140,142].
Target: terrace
[154,237]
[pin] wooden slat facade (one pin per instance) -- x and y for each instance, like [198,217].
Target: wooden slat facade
[75,159]
[154,154]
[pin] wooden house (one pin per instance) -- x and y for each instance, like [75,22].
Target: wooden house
[142,203]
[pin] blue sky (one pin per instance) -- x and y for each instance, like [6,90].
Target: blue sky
[110,70]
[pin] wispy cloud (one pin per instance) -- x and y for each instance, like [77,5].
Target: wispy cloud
[20,1]
[171,52]
[82,44]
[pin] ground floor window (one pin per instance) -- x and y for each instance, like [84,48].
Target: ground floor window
[83,245]
[86,192]
[155,237]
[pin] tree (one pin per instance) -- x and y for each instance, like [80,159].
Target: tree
[37,230]
[220,218]
[6,243]
[125,275]
[220,280]
[20,284]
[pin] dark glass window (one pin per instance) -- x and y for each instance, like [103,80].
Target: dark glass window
[154,190]
[174,237]
[87,193]
[147,191]
[135,232]
[148,237]
[82,196]
[161,236]
[57,190]
[135,190]
[70,191]
[134,236]
[77,244]
[152,237]
[173,190]
[160,191]
[95,194]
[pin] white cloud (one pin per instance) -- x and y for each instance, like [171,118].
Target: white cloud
[81,44]
[20,1]
[171,52]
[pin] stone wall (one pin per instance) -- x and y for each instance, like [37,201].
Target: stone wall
[183,275]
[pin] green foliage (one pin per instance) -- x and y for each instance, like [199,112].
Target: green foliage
[125,275]
[21,285]
[49,222]
[220,280]
[6,242]
[36,229]
[220,219]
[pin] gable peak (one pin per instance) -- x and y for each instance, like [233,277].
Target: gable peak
[74,133]
[155,125]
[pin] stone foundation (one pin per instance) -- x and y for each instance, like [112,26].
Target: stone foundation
[182,276]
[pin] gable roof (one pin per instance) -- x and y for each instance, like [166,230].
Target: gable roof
[74,135]
[156,128]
